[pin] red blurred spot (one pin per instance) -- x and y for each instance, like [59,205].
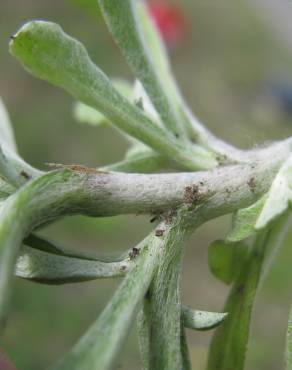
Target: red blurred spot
[170,21]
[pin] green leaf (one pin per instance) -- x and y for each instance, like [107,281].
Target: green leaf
[193,319]
[48,53]
[225,259]
[99,346]
[45,245]
[50,268]
[279,196]
[201,320]
[289,343]
[245,220]
[85,114]
[229,344]
[135,33]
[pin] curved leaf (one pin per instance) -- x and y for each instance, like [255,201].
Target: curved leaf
[50,54]
[201,320]
[51,268]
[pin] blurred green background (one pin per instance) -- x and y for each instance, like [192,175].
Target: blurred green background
[225,66]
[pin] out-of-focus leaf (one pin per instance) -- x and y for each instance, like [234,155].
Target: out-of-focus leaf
[86,114]
[279,195]
[201,320]
[225,259]
[245,220]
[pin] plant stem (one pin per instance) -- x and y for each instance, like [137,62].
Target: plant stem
[164,303]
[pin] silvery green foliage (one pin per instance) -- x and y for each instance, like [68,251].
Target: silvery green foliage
[164,135]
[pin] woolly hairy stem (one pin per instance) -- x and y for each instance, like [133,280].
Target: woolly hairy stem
[218,192]
[79,190]
[165,307]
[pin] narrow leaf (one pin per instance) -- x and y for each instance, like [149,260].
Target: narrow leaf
[45,245]
[225,259]
[99,346]
[50,268]
[48,53]
[134,32]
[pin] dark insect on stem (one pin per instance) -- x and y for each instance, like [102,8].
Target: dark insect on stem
[25,175]
[159,232]
[153,219]
[134,253]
